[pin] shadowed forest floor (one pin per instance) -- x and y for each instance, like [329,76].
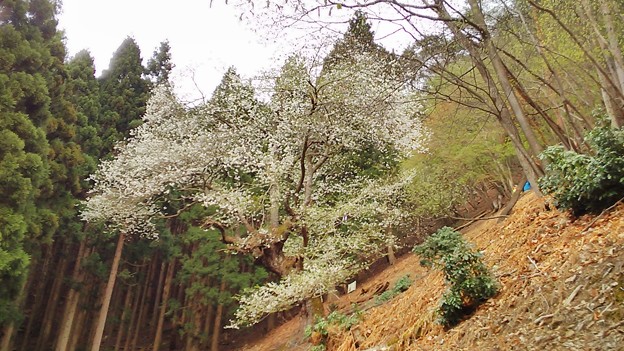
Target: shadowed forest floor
[562,288]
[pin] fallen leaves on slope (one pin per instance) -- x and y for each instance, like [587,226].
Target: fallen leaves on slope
[562,288]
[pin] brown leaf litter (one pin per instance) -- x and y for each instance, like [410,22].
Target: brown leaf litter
[562,288]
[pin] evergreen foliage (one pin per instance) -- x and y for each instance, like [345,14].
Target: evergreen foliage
[470,281]
[84,93]
[359,39]
[210,261]
[69,165]
[587,182]
[123,95]
[24,168]
[159,67]
[310,179]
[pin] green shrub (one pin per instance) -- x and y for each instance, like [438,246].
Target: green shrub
[319,326]
[335,318]
[582,182]
[470,282]
[400,286]
[344,321]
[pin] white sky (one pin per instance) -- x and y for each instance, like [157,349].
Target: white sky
[204,39]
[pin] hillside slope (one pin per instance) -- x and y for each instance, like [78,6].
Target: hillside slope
[562,288]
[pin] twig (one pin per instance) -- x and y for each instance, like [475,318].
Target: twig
[606,308]
[471,221]
[572,295]
[614,326]
[541,318]
[514,197]
[533,263]
[608,271]
[538,248]
[600,215]
[477,218]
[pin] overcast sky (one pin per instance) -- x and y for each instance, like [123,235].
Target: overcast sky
[204,39]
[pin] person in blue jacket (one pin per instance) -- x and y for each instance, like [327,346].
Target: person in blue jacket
[527,186]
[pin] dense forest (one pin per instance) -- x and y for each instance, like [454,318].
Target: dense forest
[133,220]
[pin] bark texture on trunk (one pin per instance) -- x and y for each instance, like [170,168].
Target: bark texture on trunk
[44,341]
[216,327]
[108,293]
[526,159]
[72,302]
[163,306]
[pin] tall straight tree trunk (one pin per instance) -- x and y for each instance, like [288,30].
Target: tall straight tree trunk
[143,310]
[72,301]
[193,342]
[133,318]
[91,301]
[115,308]
[190,311]
[610,45]
[179,315]
[208,317]
[38,296]
[124,317]
[614,45]
[77,331]
[501,73]
[216,327]
[7,338]
[159,290]
[558,88]
[529,166]
[48,317]
[611,93]
[97,300]
[163,305]
[557,130]
[101,321]
[197,324]
[5,344]
[615,112]
[610,86]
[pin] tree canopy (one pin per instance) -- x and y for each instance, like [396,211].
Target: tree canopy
[281,171]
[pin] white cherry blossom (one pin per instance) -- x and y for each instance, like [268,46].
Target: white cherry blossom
[284,170]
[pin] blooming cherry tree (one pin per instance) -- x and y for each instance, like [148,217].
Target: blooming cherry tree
[289,175]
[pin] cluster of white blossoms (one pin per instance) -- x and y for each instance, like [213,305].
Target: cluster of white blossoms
[317,278]
[288,159]
[346,238]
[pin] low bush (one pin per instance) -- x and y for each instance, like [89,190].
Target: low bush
[469,281]
[317,332]
[586,182]
[400,286]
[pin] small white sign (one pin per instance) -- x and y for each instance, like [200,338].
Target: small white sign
[351,287]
